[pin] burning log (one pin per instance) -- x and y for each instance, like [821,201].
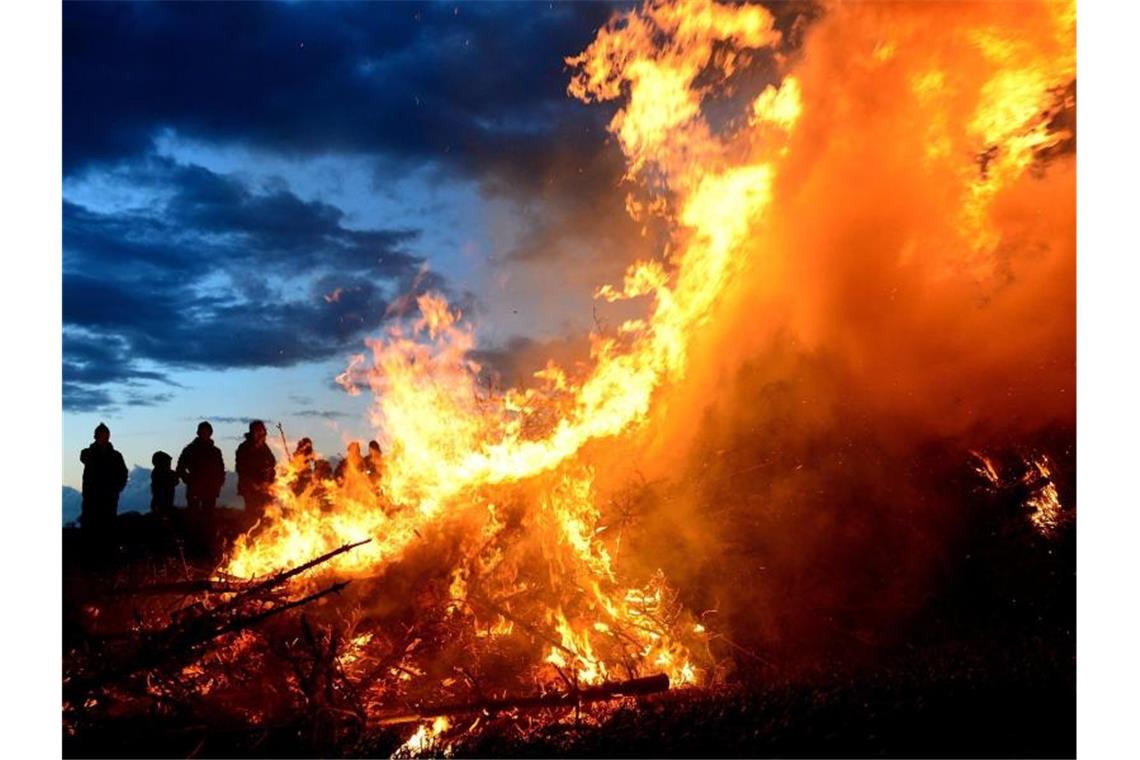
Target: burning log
[575,697]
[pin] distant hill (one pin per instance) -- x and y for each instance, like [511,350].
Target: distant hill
[136,496]
[72,504]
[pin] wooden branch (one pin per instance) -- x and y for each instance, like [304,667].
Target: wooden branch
[240,623]
[574,698]
[284,575]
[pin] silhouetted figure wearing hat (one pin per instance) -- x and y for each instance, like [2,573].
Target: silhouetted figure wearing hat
[163,481]
[201,468]
[104,476]
[256,469]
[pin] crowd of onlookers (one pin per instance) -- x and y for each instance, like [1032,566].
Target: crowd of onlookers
[201,468]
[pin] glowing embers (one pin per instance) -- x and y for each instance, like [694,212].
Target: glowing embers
[427,740]
[1028,484]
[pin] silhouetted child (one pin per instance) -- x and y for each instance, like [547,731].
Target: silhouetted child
[163,481]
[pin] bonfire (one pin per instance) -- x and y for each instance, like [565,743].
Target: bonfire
[494,578]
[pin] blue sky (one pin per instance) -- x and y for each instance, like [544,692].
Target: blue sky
[248,187]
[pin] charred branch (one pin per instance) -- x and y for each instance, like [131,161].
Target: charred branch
[633,687]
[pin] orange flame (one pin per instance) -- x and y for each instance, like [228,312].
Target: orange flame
[456,452]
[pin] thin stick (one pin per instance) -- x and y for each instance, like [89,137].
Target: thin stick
[284,441]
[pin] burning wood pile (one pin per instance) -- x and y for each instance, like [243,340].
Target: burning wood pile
[490,579]
[334,662]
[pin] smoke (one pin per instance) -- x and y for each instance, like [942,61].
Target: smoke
[907,297]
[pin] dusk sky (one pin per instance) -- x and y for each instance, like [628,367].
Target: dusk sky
[249,187]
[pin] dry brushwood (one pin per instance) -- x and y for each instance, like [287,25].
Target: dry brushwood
[182,639]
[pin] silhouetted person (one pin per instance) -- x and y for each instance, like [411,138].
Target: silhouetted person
[256,469]
[163,481]
[374,463]
[302,464]
[201,468]
[353,461]
[104,476]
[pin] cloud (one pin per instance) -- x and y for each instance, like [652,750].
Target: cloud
[147,399]
[215,274]
[322,414]
[206,221]
[403,81]
[93,360]
[80,398]
[223,420]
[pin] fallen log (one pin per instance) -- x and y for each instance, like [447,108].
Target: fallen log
[573,698]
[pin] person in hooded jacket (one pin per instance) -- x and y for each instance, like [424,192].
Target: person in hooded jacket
[104,477]
[201,468]
[256,469]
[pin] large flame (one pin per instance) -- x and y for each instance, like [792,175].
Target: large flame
[510,475]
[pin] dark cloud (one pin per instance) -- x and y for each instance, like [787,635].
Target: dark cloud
[221,420]
[464,84]
[210,221]
[217,275]
[82,398]
[136,398]
[92,360]
[322,414]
